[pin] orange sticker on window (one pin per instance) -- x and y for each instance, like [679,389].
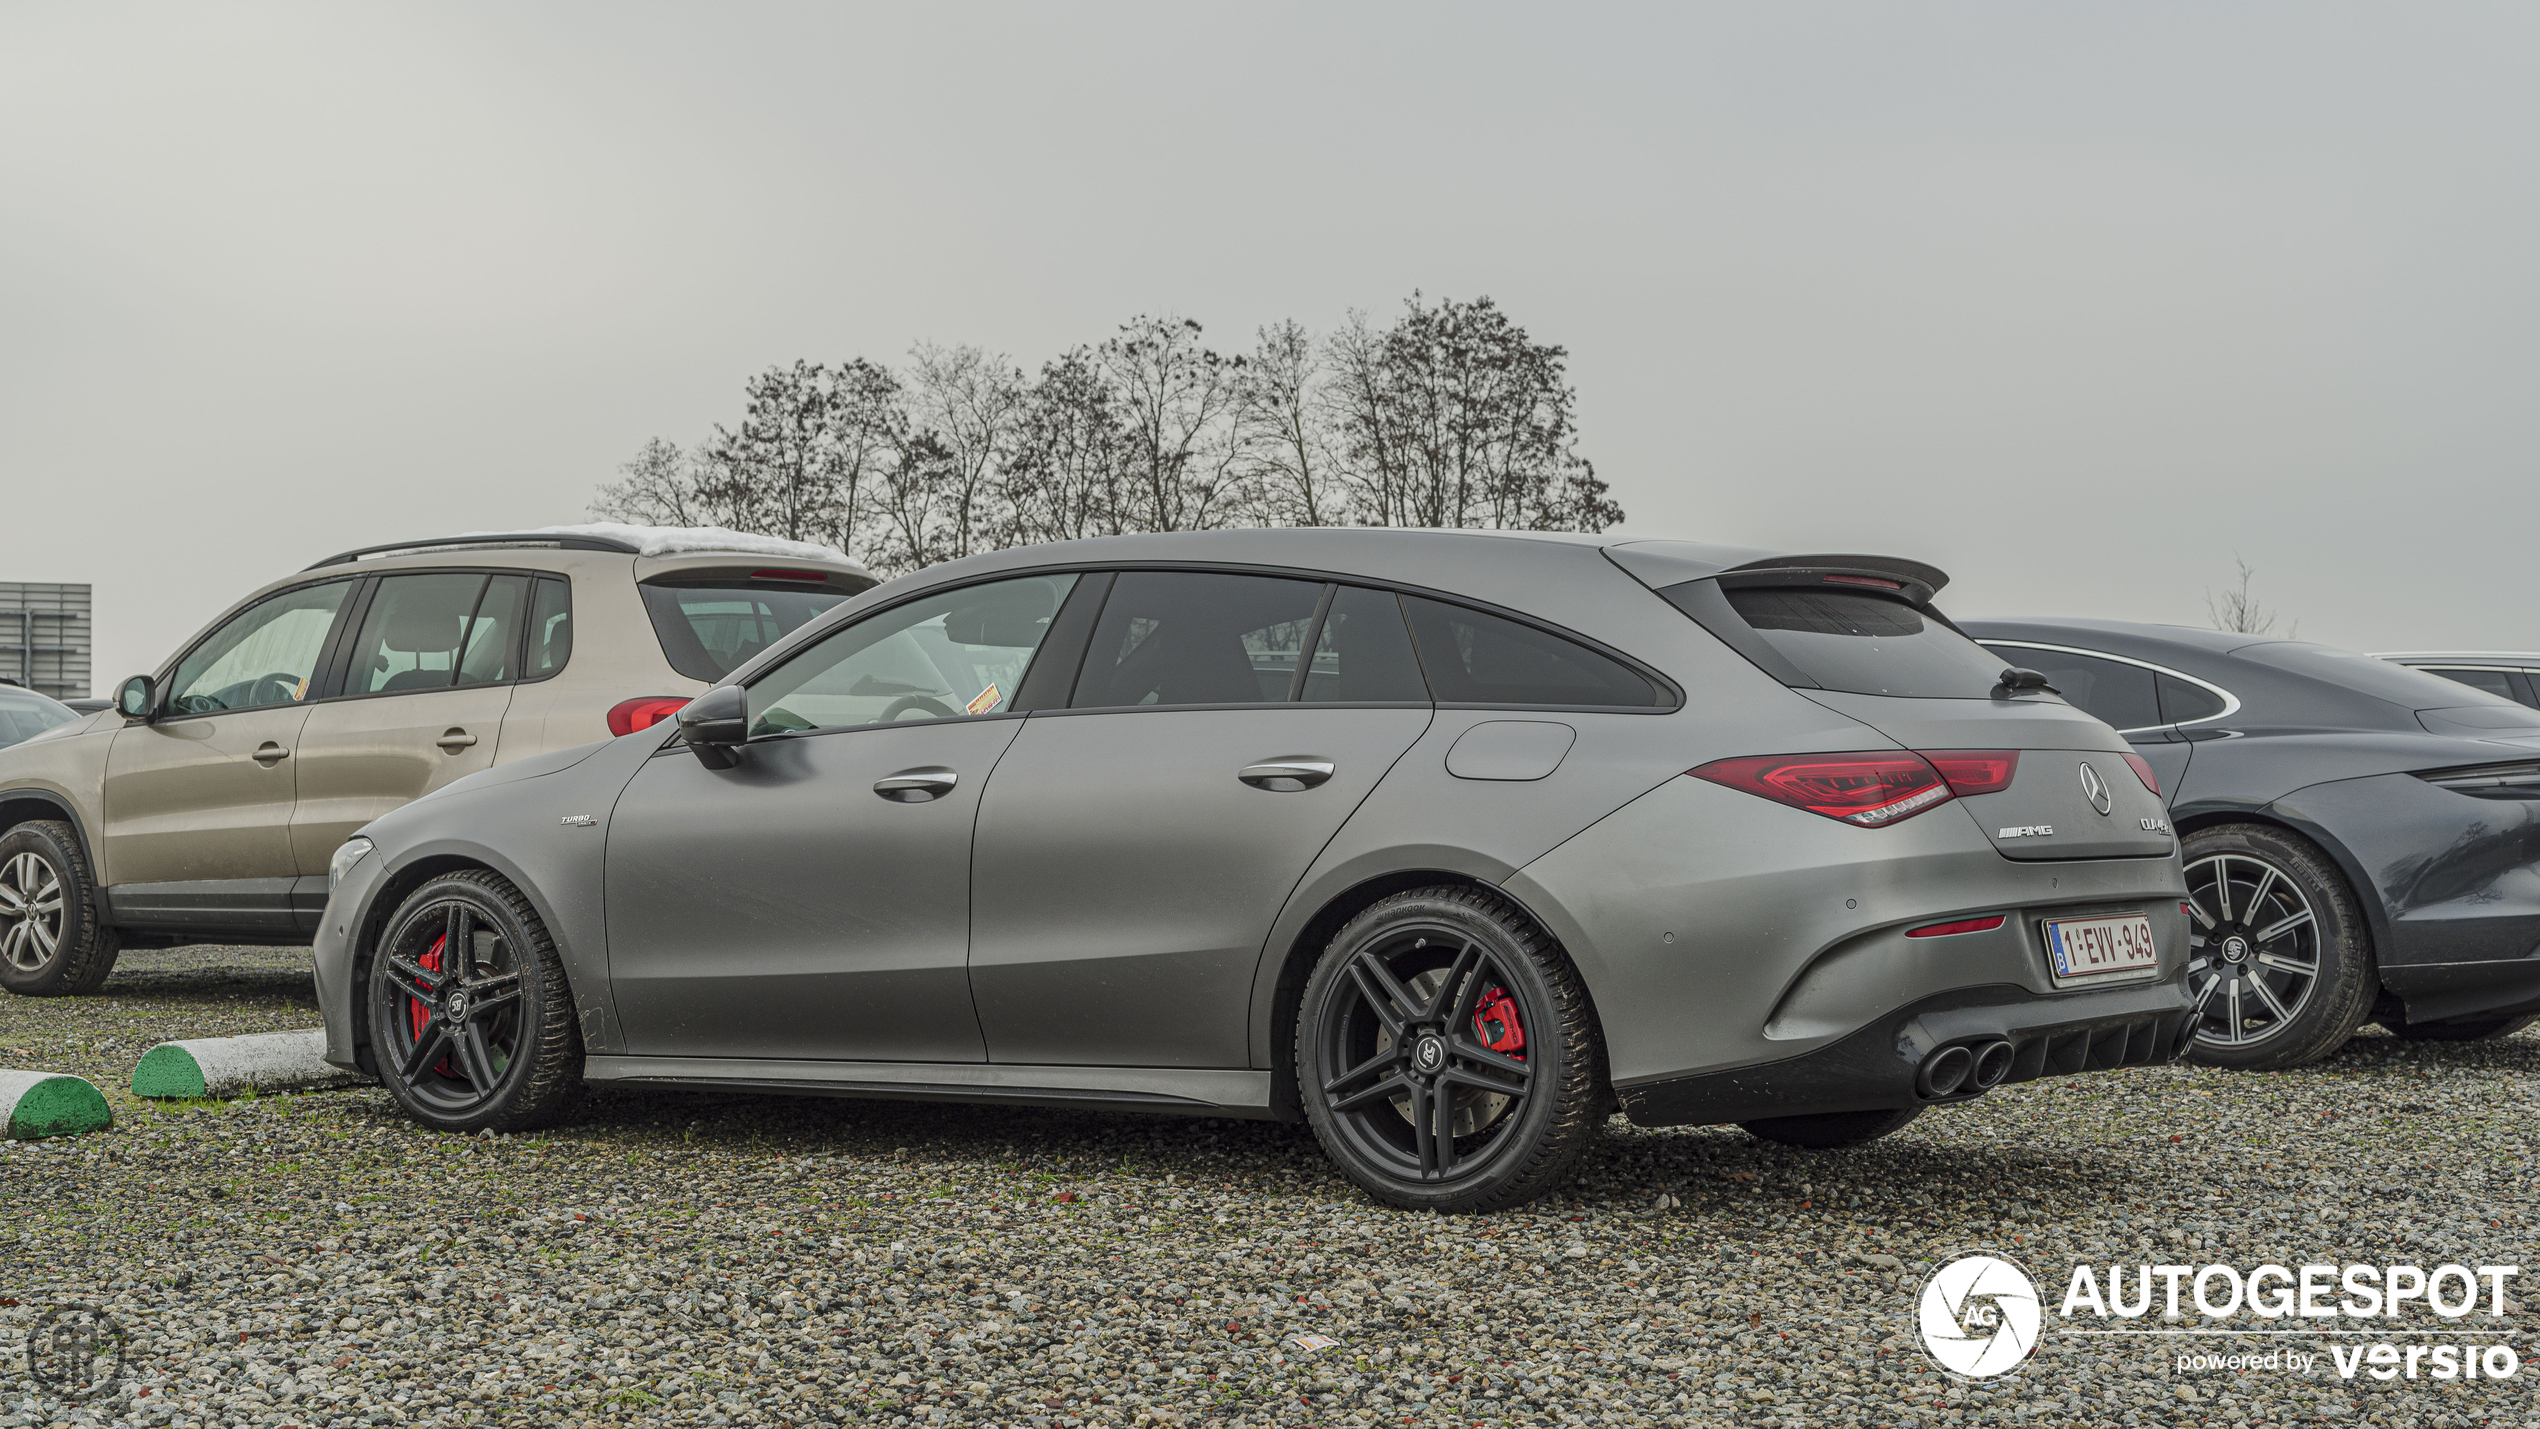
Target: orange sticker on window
[986,701]
[302,692]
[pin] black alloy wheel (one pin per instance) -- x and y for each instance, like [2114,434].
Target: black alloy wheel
[2278,959]
[1446,1053]
[51,944]
[471,1023]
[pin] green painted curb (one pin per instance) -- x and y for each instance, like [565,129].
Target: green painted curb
[167,1070]
[41,1104]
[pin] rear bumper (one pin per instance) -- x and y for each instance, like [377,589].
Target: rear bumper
[1877,1067]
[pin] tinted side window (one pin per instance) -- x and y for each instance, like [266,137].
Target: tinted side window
[960,652]
[2125,696]
[410,638]
[1866,644]
[1478,659]
[1197,638]
[1363,655]
[263,656]
[2181,701]
[550,628]
[707,632]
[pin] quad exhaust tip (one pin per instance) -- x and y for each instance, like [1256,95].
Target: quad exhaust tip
[1966,1067]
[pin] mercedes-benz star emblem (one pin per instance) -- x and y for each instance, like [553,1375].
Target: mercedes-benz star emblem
[2096,789]
[1429,1055]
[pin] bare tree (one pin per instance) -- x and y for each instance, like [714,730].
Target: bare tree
[2238,610]
[657,488]
[1176,403]
[778,474]
[1281,431]
[1066,478]
[971,403]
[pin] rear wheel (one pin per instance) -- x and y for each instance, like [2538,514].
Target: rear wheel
[1825,1131]
[2279,961]
[471,1020]
[1446,1053]
[2457,1029]
[51,944]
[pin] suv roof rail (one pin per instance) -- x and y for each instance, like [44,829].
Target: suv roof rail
[482,542]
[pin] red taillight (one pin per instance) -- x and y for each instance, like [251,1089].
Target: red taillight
[820,576]
[643,712]
[1963,925]
[1975,771]
[2143,771]
[1871,581]
[1869,789]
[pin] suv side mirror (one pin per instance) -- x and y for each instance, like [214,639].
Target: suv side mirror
[715,724]
[137,698]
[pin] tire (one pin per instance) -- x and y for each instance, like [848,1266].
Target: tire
[2457,1029]
[1828,1130]
[2282,968]
[515,1063]
[51,944]
[1455,990]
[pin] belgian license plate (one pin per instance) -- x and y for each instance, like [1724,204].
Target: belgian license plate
[2079,948]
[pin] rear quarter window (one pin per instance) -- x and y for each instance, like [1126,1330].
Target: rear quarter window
[1859,643]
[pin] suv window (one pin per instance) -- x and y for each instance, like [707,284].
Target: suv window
[1363,654]
[1197,638]
[262,656]
[1865,644]
[1478,659]
[550,628]
[708,631]
[492,643]
[954,653]
[412,633]
[2126,696]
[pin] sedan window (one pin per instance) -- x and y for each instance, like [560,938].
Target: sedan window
[955,653]
[1197,638]
[2494,682]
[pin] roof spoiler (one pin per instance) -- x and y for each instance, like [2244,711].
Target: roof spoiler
[482,543]
[1914,580]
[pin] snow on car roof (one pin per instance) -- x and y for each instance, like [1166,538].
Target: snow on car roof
[684,540]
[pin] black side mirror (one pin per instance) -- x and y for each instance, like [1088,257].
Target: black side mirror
[715,724]
[138,697]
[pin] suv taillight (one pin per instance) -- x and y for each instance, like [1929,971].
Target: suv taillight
[643,712]
[1871,789]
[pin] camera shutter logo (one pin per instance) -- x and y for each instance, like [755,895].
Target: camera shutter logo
[1979,1316]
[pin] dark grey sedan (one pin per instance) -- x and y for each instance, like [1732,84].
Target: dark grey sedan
[1446,843]
[2362,839]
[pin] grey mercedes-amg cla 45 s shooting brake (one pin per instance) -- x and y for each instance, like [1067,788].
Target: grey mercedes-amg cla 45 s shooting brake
[1446,843]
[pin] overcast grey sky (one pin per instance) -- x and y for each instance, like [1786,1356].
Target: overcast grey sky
[2074,301]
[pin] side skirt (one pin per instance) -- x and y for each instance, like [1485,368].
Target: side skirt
[1186,1091]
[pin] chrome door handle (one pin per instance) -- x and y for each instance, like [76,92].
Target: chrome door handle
[916,786]
[268,752]
[1286,776]
[455,740]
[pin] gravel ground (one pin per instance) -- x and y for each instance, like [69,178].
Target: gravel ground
[311,1260]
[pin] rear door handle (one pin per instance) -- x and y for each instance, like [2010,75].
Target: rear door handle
[1286,776]
[268,752]
[455,740]
[916,786]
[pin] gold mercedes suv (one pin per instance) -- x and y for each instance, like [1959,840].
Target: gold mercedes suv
[205,804]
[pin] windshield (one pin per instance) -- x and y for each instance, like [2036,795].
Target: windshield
[25,714]
[1867,644]
[707,632]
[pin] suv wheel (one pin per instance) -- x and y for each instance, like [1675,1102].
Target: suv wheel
[2279,961]
[471,1022]
[1446,1053]
[51,944]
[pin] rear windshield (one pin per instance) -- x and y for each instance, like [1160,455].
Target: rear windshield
[1867,644]
[707,632]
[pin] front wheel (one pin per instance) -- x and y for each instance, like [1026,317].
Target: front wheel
[471,1020]
[2279,960]
[1447,1055]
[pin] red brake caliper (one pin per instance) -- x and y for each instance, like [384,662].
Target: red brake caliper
[429,962]
[1495,1022]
